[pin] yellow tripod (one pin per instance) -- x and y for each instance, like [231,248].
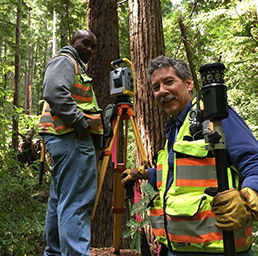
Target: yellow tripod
[125,113]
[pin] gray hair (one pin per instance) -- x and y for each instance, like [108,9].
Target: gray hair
[180,67]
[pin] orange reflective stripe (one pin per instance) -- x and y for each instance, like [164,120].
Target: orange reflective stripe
[45,119]
[46,113]
[159,167]
[193,161]
[46,125]
[156,212]
[159,184]
[240,242]
[61,127]
[201,239]
[94,121]
[80,86]
[159,232]
[59,124]
[55,117]
[82,93]
[93,117]
[96,128]
[196,172]
[199,216]
[211,126]
[81,98]
[196,183]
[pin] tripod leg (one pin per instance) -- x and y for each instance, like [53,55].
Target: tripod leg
[104,167]
[119,195]
[118,208]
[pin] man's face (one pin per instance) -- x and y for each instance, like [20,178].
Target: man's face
[84,44]
[170,92]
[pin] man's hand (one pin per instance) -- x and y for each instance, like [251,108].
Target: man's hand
[233,208]
[84,134]
[131,175]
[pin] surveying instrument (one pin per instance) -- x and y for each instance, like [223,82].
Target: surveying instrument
[121,89]
[214,92]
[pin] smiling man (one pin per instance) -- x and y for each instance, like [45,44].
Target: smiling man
[185,218]
[172,91]
[71,126]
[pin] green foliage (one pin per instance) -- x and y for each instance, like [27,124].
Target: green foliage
[227,29]
[255,238]
[140,208]
[22,215]
[214,27]
[131,150]
[123,30]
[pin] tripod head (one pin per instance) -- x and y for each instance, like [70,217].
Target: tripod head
[122,81]
[214,91]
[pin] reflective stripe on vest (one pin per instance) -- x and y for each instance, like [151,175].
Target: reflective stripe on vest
[52,124]
[82,93]
[46,120]
[159,168]
[194,172]
[159,175]
[188,220]
[189,232]
[84,96]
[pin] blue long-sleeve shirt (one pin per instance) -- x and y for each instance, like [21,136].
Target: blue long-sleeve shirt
[242,147]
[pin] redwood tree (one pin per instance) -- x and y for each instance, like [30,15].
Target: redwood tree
[147,42]
[16,100]
[103,22]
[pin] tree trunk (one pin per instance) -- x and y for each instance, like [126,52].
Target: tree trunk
[54,48]
[63,25]
[15,128]
[27,75]
[147,42]
[103,22]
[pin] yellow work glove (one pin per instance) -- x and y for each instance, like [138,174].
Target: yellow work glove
[131,175]
[233,208]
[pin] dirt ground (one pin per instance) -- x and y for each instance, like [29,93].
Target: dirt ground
[122,252]
[109,252]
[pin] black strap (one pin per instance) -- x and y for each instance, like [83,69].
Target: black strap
[145,248]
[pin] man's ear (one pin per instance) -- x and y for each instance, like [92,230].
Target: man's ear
[189,83]
[72,42]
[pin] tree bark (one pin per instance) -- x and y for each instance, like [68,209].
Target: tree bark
[64,24]
[103,22]
[15,128]
[147,42]
[54,48]
[27,75]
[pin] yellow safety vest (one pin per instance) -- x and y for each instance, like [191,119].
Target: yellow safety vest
[182,215]
[84,96]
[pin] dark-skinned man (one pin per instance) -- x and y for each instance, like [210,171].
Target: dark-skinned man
[185,217]
[71,127]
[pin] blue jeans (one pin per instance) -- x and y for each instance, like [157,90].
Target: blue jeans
[247,253]
[72,195]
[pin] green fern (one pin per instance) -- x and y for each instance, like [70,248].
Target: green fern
[139,208]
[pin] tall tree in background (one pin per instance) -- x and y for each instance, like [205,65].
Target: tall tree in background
[64,24]
[27,109]
[103,22]
[17,77]
[147,42]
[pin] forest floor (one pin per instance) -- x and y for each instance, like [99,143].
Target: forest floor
[109,252]
[123,252]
